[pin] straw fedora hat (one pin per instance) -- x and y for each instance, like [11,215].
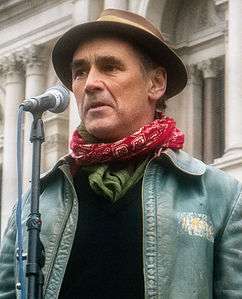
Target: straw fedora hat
[130,27]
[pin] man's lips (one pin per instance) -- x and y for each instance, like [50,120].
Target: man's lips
[97,105]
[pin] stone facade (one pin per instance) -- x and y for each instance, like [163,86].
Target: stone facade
[206,34]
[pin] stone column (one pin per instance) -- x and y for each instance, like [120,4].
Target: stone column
[193,112]
[35,66]
[118,4]
[1,136]
[233,104]
[56,138]
[14,94]
[86,10]
[80,11]
[208,69]
[1,149]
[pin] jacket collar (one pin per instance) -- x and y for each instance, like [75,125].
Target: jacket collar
[62,164]
[180,159]
[183,161]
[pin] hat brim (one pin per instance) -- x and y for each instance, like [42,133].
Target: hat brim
[67,45]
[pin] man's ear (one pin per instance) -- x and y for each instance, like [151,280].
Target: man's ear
[158,80]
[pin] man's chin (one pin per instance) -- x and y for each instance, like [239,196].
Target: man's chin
[103,133]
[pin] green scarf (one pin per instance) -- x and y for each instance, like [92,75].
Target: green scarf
[112,180]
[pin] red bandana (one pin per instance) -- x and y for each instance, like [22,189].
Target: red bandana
[161,133]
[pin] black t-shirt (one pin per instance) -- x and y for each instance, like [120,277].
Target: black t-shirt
[106,259]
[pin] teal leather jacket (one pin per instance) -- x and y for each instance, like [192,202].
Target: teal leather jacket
[192,230]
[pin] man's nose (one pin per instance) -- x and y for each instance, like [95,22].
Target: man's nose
[94,81]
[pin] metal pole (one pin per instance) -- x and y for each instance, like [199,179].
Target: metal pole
[35,256]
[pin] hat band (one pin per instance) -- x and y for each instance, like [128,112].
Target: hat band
[123,21]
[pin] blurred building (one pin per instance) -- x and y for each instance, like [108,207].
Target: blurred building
[206,34]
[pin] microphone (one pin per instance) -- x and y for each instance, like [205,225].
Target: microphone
[55,99]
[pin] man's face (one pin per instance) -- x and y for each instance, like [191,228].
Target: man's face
[111,90]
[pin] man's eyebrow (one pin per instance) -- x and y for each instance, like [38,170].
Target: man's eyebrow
[109,59]
[99,60]
[78,63]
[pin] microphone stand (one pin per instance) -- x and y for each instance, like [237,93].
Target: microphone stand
[36,255]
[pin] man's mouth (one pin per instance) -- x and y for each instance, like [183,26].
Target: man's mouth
[97,106]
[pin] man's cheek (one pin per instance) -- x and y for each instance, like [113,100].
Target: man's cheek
[116,89]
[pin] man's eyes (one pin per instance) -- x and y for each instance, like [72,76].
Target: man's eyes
[110,67]
[79,73]
[103,68]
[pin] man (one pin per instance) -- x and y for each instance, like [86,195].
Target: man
[129,214]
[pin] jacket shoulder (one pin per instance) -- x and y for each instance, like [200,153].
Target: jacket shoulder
[211,177]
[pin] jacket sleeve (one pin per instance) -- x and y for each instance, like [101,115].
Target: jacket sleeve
[228,256]
[7,261]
